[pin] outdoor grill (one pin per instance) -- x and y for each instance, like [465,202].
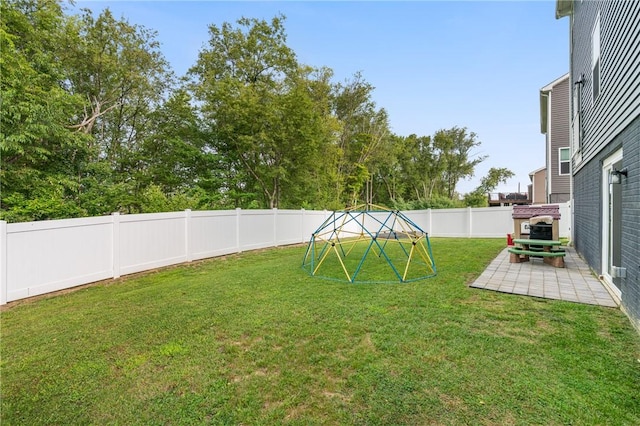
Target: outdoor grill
[540,228]
[541,231]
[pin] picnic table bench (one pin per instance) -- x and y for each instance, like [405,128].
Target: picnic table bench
[541,248]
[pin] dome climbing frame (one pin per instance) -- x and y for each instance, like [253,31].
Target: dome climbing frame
[355,242]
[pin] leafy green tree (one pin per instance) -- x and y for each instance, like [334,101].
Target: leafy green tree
[307,138]
[426,169]
[423,168]
[236,80]
[260,101]
[453,149]
[364,132]
[175,154]
[391,182]
[495,176]
[315,184]
[118,71]
[39,154]
[92,122]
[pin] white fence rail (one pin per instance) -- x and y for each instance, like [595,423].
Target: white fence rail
[41,257]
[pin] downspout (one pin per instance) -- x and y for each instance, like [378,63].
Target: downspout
[565,8]
[544,119]
[548,149]
[572,143]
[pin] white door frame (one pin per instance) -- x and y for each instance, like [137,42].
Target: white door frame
[607,167]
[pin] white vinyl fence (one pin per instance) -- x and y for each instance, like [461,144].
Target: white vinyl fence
[41,257]
[482,222]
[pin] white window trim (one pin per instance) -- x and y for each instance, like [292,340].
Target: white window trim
[607,167]
[575,137]
[560,161]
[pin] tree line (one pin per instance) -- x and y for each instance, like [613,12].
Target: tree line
[93,120]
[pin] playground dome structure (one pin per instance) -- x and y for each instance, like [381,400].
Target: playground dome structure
[369,243]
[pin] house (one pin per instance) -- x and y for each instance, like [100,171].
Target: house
[605,141]
[502,199]
[538,186]
[554,124]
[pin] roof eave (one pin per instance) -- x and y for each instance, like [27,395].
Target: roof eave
[549,87]
[544,102]
[563,8]
[531,174]
[544,111]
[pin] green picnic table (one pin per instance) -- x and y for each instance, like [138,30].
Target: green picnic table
[524,250]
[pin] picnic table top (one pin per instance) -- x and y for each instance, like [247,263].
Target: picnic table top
[517,250]
[537,242]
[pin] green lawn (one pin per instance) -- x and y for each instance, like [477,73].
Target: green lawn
[252,339]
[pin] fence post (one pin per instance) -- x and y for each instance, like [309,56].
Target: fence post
[275,226]
[302,225]
[430,222]
[115,244]
[470,213]
[238,230]
[3,263]
[187,234]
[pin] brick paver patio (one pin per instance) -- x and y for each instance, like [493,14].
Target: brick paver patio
[573,283]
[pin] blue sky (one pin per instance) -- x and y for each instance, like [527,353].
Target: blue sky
[434,64]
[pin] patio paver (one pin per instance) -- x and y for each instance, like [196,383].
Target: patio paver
[573,283]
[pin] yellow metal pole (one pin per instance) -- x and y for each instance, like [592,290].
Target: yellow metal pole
[406,269]
[344,268]
[323,258]
[425,256]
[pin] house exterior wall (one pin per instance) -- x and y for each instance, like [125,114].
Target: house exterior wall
[631,222]
[588,215]
[539,193]
[603,118]
[558,137]
[603,125]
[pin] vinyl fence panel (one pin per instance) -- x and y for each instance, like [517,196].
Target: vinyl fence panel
[312,219]
[288,226]
[41,257]
[491,222]
[450,223]
[256,229]
[149,241]
[213,233]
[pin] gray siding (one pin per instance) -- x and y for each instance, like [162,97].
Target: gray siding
[617,105]
[609,123]
[559,115]
[588,215]
[631,222]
